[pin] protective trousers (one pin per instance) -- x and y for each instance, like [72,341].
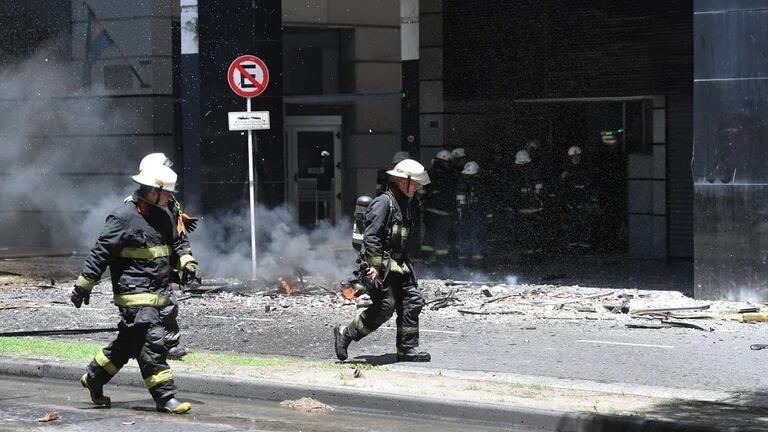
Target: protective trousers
[528,235]
[442,225]
[470,235]
[398,294]
[169,315]
[141,336]
[580,227]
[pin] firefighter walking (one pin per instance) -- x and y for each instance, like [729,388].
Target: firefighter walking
[388,223]
[185,224]
[140,246]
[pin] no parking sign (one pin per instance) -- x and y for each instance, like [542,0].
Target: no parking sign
[248,76]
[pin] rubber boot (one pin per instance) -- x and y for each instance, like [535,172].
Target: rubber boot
[96,390]
[176,353]
[412,355]
[174,406]
[342,341]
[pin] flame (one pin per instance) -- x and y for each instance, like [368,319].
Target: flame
[349,293]
[287,288]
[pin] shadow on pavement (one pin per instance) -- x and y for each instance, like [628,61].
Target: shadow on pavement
[743,412]
[379,360]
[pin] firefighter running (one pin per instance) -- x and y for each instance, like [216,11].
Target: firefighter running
[140,245]
[387,224]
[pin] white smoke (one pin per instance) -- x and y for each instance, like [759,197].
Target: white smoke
[55,172]
[222,245]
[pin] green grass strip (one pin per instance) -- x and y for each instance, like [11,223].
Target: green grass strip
[37,347]
[69,350]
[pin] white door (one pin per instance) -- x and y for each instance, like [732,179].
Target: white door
[314,161]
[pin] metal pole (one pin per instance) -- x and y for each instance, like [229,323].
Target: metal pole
[252,193]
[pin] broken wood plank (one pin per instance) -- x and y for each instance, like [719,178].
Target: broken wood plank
[756,316]
[646,326]
[476,312]
[580,299]
[688,325]
[668,324]
[680,315]
[672,309]
[500,298]
[21,306]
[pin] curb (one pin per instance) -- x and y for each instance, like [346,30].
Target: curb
[464,412]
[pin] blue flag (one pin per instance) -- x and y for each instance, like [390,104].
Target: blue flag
[97,40]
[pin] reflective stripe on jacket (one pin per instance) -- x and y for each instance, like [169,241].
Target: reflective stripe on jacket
[140,252]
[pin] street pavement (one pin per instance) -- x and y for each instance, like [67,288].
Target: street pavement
[23,401]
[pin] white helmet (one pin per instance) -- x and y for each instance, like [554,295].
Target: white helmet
[410,169]
[458,153]
[471,168]
[522,157]
[157,176]
[155,159]
[443,155]
[400,156]
[574,151]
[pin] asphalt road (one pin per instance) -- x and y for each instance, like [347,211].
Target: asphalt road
[24,401]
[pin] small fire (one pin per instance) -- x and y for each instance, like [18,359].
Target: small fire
[287,288]
[349,293]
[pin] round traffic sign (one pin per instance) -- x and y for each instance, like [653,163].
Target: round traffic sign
[248,76]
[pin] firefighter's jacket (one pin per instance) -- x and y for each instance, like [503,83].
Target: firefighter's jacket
[441,192]
[528,190]
[388,223]
[471,199]
[577,189]
[141,252]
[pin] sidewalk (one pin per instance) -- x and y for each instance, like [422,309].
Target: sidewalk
[481,398]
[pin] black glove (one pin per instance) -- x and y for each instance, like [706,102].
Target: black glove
[78,296]
[190,223]
[190,273]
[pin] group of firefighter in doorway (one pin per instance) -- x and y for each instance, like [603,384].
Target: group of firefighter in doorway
[539,203]
[145,245]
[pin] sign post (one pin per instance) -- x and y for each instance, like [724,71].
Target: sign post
[248,77]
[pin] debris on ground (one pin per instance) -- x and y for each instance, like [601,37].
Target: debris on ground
[307,405]
[51,416]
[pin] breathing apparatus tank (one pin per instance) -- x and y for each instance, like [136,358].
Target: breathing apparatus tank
[358,221]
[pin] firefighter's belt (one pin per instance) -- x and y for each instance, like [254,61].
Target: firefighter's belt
[142,299]
[146,253]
